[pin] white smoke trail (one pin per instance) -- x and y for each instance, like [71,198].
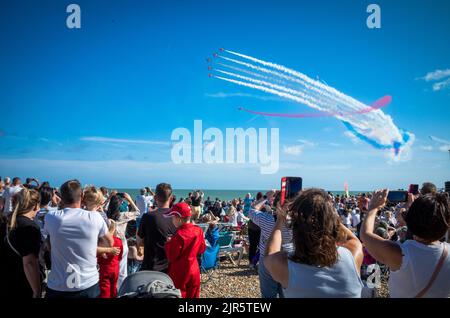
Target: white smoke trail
[305,85]
[280,88]
[238,69]
[299,75]
[269,90]
[374,127]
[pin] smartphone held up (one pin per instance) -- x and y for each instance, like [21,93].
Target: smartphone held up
[290,187]
[397,196]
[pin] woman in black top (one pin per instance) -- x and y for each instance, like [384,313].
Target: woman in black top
[20,246]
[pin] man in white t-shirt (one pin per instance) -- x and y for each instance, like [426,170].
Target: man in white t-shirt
[9,193]
[356,217]
[141,201]
[74,235]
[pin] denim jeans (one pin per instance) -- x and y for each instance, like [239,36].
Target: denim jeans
[91,292]
[269,287]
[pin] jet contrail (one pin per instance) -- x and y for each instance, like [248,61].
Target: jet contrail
[296,74]
[268,90]
[296,80]
[279,88]
[369,123]
[439,140]
[445,144]
[238,69]
[378,104]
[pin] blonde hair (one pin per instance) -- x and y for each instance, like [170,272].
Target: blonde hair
[24,201]
[92,196]
[196,210]
[112,226]
[232,210]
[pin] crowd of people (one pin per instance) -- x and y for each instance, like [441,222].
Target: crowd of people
[82,242]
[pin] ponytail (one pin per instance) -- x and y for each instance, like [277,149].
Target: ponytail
[24,201]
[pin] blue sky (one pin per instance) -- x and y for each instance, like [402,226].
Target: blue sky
[136,70]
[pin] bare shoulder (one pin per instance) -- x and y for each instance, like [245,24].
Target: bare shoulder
[277,265]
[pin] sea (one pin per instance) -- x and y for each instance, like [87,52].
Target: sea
[221,194]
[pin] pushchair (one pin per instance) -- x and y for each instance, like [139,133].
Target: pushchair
[148,284]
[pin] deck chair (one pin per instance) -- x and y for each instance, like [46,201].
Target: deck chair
[227,249]
[209,261]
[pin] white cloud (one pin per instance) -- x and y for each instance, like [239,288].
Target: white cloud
[334,144]
[427,148]
[314,167]
[352,137]
[50,141]
[121,140]
[297,150]
[306,142]
[293,150]
[443,76]
[436,75]
[441,85]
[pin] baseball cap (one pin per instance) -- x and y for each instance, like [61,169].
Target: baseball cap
[182,209]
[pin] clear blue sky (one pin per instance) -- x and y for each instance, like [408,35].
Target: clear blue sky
[136,70]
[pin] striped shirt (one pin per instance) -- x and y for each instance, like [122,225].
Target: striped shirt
[266,223]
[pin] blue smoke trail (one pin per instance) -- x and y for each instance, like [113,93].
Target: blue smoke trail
[395,144]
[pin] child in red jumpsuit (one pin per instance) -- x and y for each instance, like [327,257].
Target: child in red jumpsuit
[109,266]
[182,250]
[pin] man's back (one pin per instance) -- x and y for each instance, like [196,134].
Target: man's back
[74,235]
[7,195]
[154,230]
[356,219]
[142,203]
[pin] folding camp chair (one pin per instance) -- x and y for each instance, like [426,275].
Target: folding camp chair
[227,249]
[209,261]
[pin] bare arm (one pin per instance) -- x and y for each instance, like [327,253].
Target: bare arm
[353,244]
[106,240]
[108,250]
[31,270]
[131,202]
[384,251]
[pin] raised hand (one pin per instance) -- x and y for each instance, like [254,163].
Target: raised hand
[379,199]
